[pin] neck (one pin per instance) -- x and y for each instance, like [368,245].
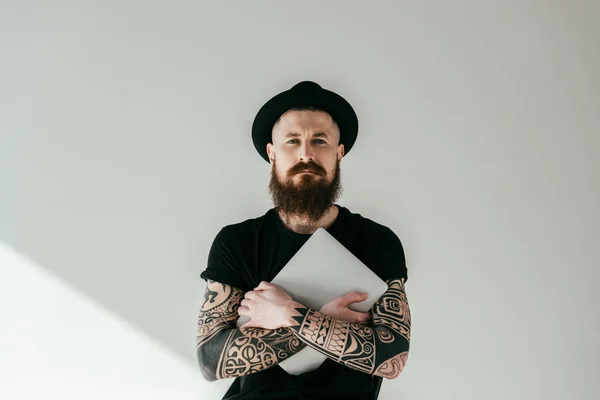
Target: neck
[305,226]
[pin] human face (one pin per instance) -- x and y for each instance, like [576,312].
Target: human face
[305,139]
[305,164]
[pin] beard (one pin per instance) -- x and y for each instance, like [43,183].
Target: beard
[311,196]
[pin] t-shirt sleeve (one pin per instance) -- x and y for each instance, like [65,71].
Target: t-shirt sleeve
[223,263]
[391,261]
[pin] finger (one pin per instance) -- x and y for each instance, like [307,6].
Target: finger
[243,310]
[359,317]
[246,303]
[264,285]
[366,317]
[251,295]
[352,297]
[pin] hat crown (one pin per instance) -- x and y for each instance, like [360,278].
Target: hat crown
[306,86]
[302,94]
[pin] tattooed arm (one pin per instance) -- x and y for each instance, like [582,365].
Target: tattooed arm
[223,350]
[379,349]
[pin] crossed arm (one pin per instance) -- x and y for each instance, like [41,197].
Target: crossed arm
[379,349]
[225,351]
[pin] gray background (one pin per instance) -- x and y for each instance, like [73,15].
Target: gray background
[125,146]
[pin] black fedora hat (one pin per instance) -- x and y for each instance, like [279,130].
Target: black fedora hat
[306,93]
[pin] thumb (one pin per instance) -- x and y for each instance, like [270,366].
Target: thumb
[353,297]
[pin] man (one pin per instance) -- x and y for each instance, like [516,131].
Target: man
[303,133]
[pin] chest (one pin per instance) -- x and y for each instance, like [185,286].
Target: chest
[272,253]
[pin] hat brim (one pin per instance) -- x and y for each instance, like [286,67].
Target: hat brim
[335,105]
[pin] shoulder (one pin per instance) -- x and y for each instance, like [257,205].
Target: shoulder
[390,261]
[242,229]
[370,227]
[231,252]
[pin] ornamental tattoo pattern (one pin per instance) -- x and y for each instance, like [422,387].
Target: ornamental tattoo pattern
[392,313]
[380,349]
[218,311]
[225,351]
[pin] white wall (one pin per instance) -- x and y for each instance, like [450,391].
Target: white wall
[125,146]
[55,340]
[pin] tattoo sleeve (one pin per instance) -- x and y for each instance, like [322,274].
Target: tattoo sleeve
[225,351]
[379,349]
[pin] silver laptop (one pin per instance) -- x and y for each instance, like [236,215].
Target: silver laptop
[320,271]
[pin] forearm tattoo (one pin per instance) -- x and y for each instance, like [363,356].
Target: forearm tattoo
[379,349]
[226,352]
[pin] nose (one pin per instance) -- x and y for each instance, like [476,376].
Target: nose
[306,153]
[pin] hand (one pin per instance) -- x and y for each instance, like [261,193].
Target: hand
[338,308]
[268,307]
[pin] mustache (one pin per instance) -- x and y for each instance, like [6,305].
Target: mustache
[310,166]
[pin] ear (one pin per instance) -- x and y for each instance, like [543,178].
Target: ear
[271,152]
[340,151]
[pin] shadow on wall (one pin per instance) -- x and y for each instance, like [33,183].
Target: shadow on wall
[129,264]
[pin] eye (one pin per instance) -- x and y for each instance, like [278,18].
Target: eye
[320,141]
[292,140]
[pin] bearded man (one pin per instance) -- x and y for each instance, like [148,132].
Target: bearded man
[303,133]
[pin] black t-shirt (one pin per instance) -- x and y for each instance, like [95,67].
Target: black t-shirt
[246,253]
